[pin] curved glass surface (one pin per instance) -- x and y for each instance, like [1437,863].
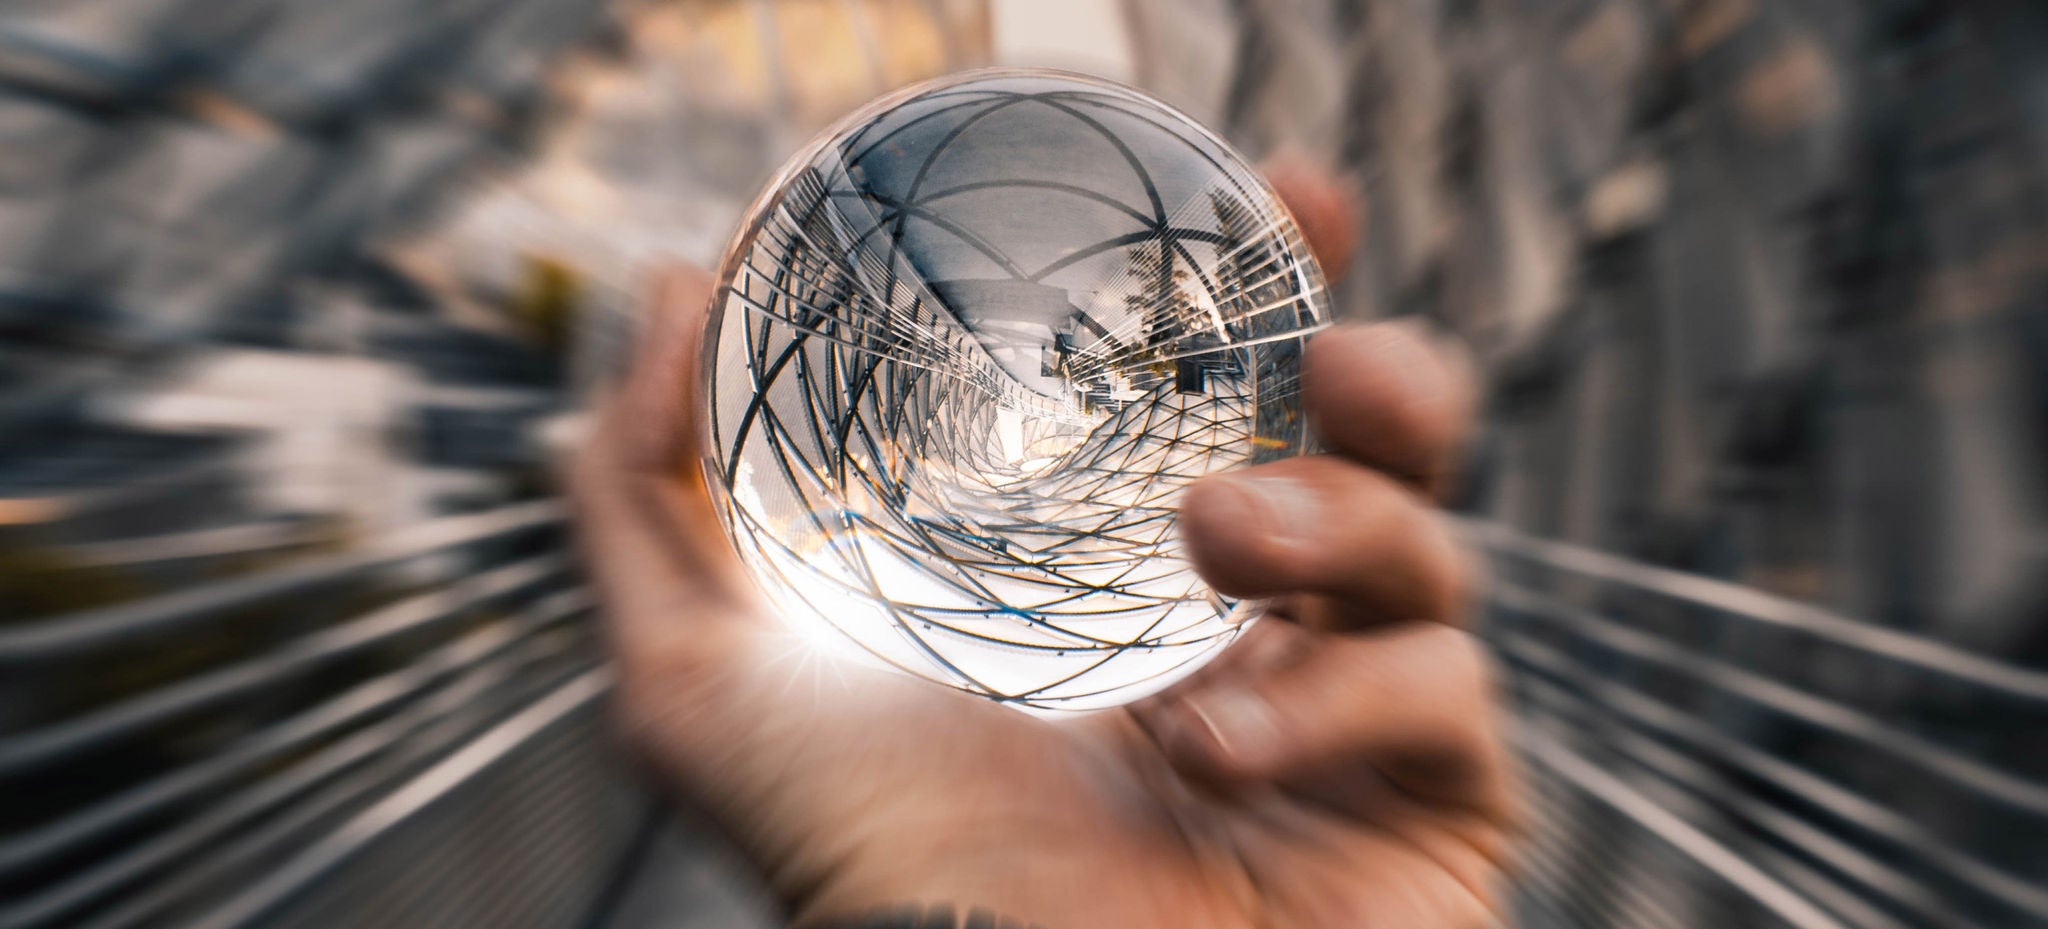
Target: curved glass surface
[966,353]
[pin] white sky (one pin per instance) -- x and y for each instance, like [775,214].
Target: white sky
[1079,35]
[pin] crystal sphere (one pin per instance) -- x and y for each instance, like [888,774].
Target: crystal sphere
[965,354]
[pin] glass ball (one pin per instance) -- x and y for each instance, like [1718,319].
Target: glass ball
[966,353]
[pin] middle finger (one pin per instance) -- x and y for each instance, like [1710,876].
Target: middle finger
[1390,396]
[1325,525]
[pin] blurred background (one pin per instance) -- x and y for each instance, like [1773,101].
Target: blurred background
[296,297]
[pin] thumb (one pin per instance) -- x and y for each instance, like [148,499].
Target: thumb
[650,536]
[656,411]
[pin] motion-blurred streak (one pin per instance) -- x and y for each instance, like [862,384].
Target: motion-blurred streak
[274,535]
[297,298]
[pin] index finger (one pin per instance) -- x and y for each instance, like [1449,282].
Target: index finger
[1325,207]
[1391,395]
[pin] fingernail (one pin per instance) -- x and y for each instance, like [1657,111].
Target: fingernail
[1241,722]
[1405,350]
[1281,507]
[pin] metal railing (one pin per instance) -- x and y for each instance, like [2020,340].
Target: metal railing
[1763,786]
[475,659]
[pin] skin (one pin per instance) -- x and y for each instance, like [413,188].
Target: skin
[1340,766]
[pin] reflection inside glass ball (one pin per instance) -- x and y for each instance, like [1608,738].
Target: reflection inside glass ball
[966,354]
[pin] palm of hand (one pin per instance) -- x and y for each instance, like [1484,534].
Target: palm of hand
[876,790]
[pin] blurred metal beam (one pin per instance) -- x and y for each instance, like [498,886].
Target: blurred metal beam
[278,889]
[1611,791]
[128,623]
[1758,606]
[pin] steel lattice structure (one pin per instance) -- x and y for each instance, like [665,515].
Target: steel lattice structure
[958,384]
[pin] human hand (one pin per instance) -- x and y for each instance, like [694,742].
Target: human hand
[1337,767]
